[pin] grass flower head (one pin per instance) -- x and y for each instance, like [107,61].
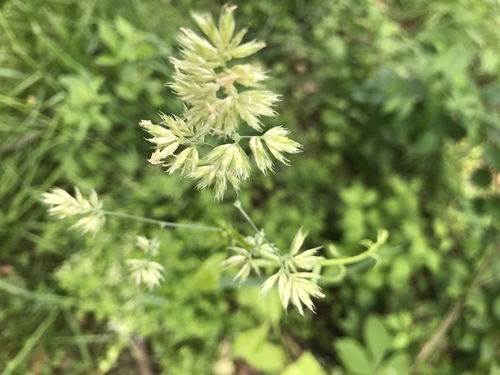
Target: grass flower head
[64,205]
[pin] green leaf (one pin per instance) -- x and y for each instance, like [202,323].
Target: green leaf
[353,195]
[144,51]
[208,275]
[429,142]
[452,62]
[305,365]
[488,348]
[400,272]
[268,357]
[107,60]
[354,357]
[249,341]
[268,306]
[401,340]
[108,37]
[125,29]
[252,346]
[398,363]
[377,338]
[489,61]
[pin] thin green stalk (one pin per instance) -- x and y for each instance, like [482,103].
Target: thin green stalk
[354,259]
[237,204]
[369,253]
[161,222]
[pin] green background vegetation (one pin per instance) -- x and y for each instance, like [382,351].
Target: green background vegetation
[397,104]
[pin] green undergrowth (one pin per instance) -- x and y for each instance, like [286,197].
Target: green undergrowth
[396,104]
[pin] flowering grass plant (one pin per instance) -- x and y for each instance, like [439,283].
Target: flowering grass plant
[224,102]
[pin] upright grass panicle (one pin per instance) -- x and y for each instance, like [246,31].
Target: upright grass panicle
[205,143]
[220,96]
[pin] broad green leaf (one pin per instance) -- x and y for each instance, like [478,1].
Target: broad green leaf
[249,341]
[107,60]
[305,365]
[400,272]
[353,195]
[398,364]
[370,197]
[268,306]
[144,51]
[108,36]
[252,346]
[377,338]
[401,340]
[208,275]
[488,347]
[125,29]
[268,357]
[469,342]
[489,61]
[354,357]
[452,62]
[351,322]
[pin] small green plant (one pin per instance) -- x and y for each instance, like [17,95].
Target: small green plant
[376,356]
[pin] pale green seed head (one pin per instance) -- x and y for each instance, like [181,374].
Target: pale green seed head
[277,142]
[298,288]
[64,205]
[90,224]
[262,159]
[145,271]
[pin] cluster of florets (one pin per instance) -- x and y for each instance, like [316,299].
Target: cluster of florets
[219,96]
[296,281]
[63,205]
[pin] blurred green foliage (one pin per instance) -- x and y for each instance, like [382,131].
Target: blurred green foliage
[397,105]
